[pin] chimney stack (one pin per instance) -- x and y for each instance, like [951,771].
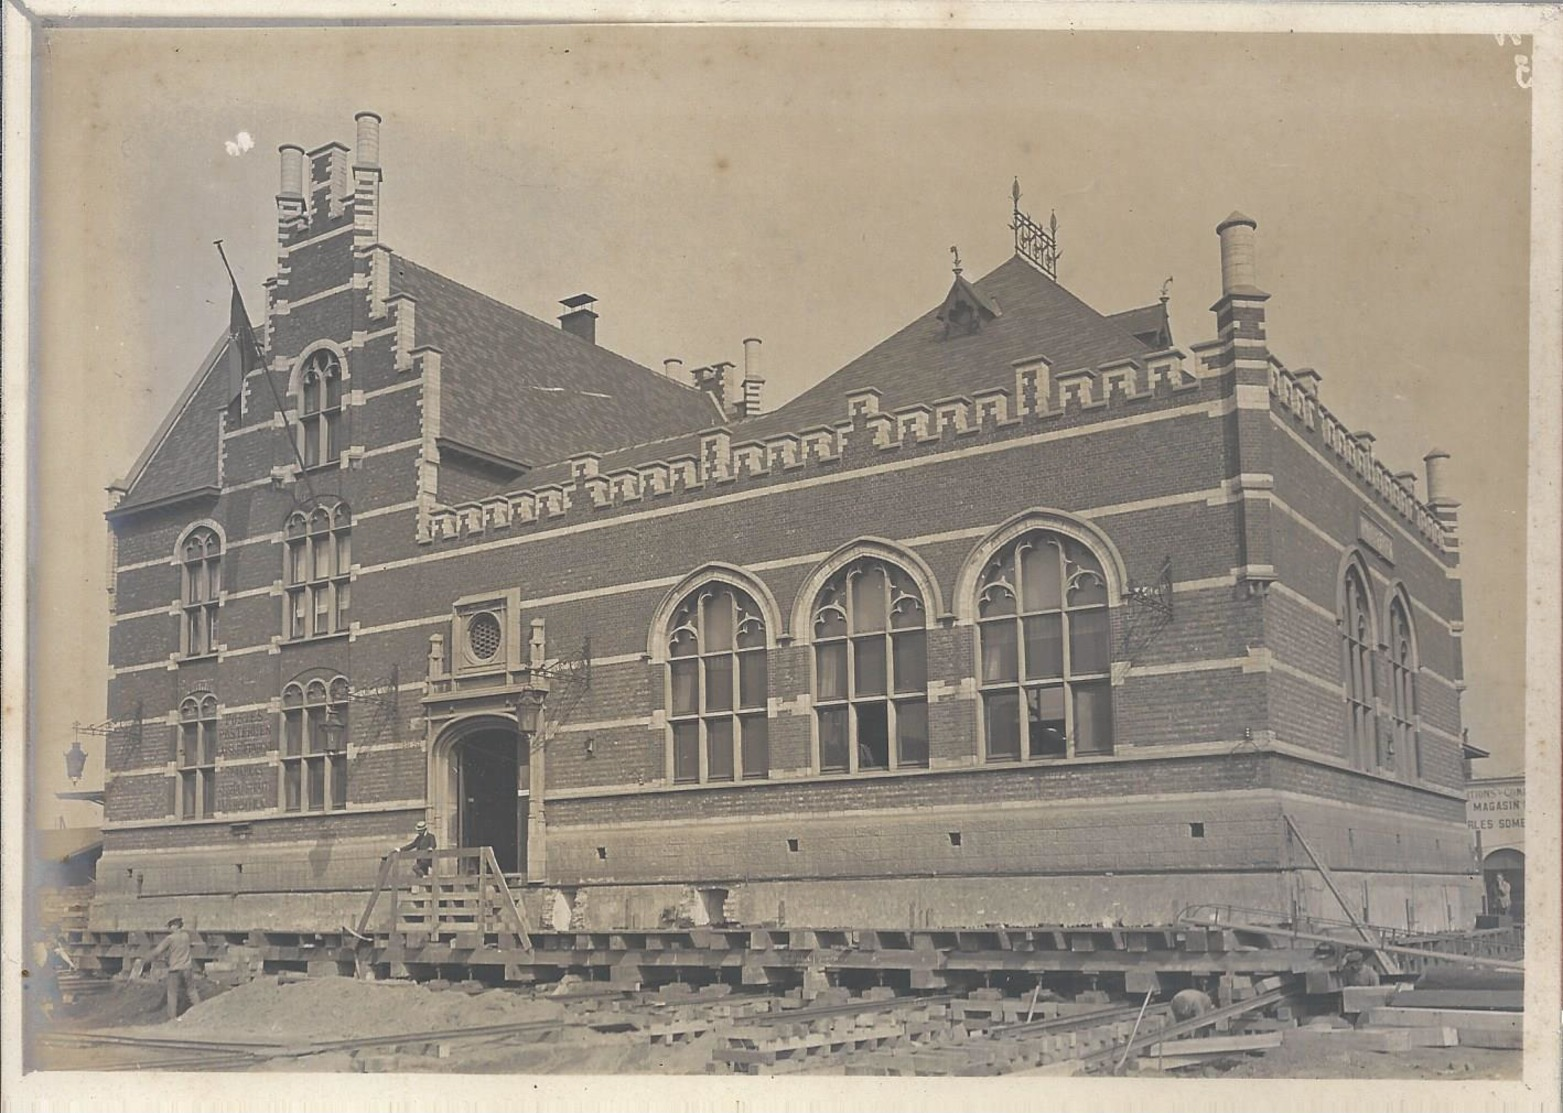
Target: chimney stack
[292,171]
[754,382]
[368,139]
[578,318]
[1237,254]
[672,368]
[1437,462]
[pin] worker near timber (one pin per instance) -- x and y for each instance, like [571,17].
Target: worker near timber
[422,839]
[176,945]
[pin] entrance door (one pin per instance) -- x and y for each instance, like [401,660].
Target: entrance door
[489,775]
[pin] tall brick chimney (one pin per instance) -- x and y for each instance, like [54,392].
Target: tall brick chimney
[754,382]
[578,318]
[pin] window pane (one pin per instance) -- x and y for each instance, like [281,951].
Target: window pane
[322,550]
[719,683]
[907,611]
[833,740]
[311,441]
[751,632]
[868,665]
[316,776]
[333,449]
[999,659]
[311,393]
[344,552]
[211,628]
[830,623]
[873,736]
[719,749]
[187,795]
[188,735]
[339,781]
[195,584]
[911,661]
[1045,722]
[756,747]
[333,391]
[682,643]
[208,742]
[208,793]
[1093,718]
[686,752]
[322,610]
[1002,713]
[1090,642]
[868,600]
[911,732]
[831,663]
[1041,580]
[315,737]
[214,578]
[293,733]
[718,628]
[196,627]
[751,679]
[1088,587]
[344,596]
[686,687]
[996,600]
[290,785]
[296,562]
[1044,646]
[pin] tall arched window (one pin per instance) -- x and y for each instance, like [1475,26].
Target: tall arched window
[1402,686]
[320,408]
[1046,645]
[717,687]
[871,669]
[201,581]
[319,563]
[1357,651]
[197,757]
[314,749]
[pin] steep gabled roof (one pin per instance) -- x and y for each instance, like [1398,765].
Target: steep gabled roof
[522,389]
[925,362]
[181,458]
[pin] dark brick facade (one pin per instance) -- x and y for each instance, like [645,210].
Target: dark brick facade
[1224,716]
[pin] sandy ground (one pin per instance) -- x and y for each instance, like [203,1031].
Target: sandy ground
[1305,1054]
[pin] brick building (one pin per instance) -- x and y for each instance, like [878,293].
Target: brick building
[1027,615]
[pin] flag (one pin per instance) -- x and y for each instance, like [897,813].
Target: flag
[243,349]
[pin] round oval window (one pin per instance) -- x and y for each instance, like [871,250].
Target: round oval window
[483,636]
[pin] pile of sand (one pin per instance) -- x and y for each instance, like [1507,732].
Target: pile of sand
[342,1008]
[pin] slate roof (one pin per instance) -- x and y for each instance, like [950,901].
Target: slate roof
[182,455]
[920,364]
[1149,323]
[525,390]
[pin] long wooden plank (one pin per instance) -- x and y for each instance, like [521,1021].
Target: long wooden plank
[1208,1045]
[1391,1017]
[1512,1000]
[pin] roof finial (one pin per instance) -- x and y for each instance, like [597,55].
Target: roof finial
[955,251]
[1166,289]
[1014,192]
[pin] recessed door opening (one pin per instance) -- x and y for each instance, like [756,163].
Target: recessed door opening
[492,777]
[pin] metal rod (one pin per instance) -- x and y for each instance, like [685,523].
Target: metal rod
[1145,1004]
[1437,956]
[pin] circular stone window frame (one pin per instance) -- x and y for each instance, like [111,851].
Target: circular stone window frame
[471,624]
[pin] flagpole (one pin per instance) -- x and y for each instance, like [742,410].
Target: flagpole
[265,371]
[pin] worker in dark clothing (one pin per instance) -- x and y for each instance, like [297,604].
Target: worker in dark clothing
[423,839]
[176,945]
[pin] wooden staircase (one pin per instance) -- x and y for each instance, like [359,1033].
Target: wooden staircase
[458,895]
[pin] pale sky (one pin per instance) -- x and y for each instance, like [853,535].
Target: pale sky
[805,187]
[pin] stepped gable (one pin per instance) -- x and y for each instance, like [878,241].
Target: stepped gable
[921,364]
[526,390]
[181,458]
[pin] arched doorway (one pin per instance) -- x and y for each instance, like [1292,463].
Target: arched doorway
[1504,872]
[486,782]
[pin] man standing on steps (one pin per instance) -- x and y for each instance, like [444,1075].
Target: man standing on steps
[176,945]
[423,839]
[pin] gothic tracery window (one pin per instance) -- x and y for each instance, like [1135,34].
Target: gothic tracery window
[1402,687]
[313,751]
[1045,635]
[200,564]
[1357,651]
[318,574]
[196,757]
[717,687]
[320,409]
[870,669]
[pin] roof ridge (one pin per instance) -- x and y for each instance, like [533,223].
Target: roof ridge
[507,307]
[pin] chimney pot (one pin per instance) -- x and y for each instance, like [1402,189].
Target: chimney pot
[1437,462]
[1237,254]
[578,318]
[368,138]
[292,170]
[754,382]
[672,368]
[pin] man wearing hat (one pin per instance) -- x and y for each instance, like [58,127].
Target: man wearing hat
[176,945]
[423,839]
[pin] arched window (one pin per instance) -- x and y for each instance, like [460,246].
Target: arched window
[197,757]
[320,408]
[871,669]
[1046,646]
[319,563]
[201,582]
[314,745]
[1402,686]
[717,687]
[1357,651]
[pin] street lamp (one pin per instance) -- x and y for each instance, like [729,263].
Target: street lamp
[75,761]
[333,728]
[529,710]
